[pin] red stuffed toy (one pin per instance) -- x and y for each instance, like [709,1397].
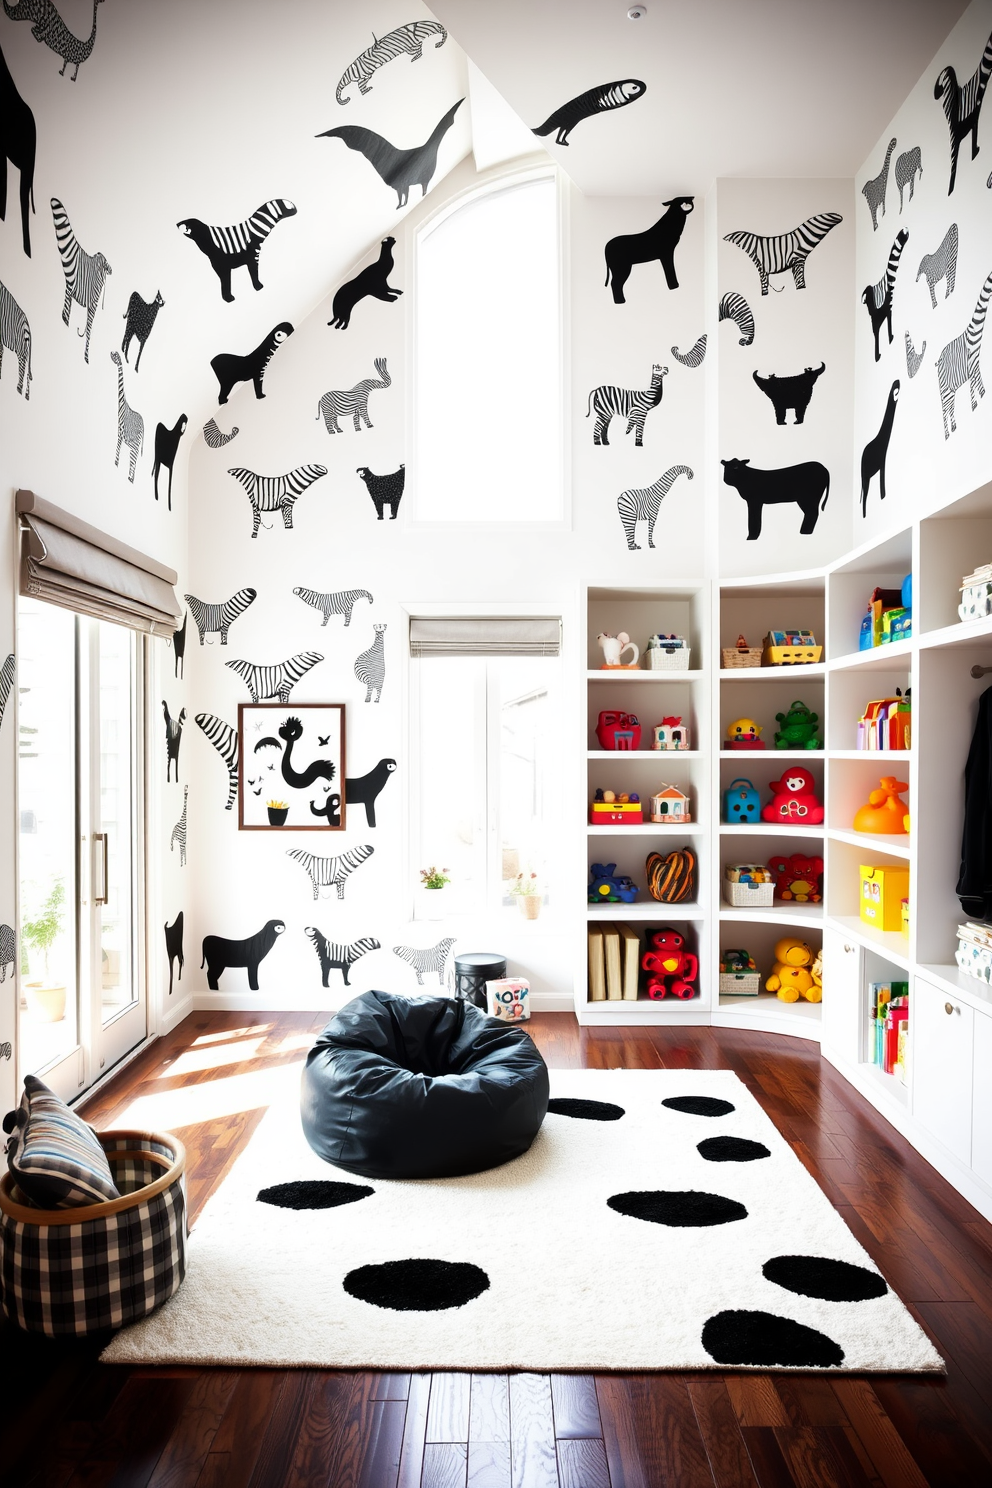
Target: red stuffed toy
[797,878]
[669,960]
[793,800]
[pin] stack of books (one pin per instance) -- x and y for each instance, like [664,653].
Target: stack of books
[886,724]
[614,963]
[974,952]
[888,1027]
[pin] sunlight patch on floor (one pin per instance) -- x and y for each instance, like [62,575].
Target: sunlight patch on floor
[214,1057]
[229,1033]
[166,1110]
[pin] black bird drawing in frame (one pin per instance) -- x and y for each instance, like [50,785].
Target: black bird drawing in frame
[399,169]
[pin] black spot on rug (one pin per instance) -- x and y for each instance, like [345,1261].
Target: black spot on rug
[586,1110]
[417,1285]
[313,1193]
[817,1276]
[731,1149]
[685,1209]
[699,1105]
[762,1339]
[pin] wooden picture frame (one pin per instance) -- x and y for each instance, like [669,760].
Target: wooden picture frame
[292,754]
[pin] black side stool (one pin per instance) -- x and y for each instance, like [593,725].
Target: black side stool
[473,971]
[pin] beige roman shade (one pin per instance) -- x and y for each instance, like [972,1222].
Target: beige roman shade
[67,562]
[497,635]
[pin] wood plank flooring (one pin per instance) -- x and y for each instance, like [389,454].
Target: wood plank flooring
[70,1422]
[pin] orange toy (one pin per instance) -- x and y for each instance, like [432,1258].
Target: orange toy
[885,811]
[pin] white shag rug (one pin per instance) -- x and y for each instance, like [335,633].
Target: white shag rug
[573,1283]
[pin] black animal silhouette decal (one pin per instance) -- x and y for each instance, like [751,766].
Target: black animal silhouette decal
[353,402]
[85,273]
[399,169]
[140,317]
[962,106]
[371,283]
[385,490]
[370,666]
[214,619]
[633,404]
[333,955]
[694,356]
[15,336]
[874,453]
[657,242]
[785,252]
[326,873]
[278,680]
[735,307]
[229,248]
[914,358]
[960,362]
[340,603]
[130,424]
[174,947]
[643,505]
[291,732]
[790,392]
[220,955]
[364,790]
[179,647]
[214,437]
[224,738]
[594,101]
[173,739]
[230,369]
[19,145]
[908,167]
[941,264]
[331,809]
[166,447]
[805,484]
[404,41]
[877,298]
[50,28]
[275,493]
[874,190]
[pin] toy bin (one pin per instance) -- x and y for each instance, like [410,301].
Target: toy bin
[744,889]
[740,656]
[96,1267]
[741,802]
[882,893]
[670,657]
[791,648]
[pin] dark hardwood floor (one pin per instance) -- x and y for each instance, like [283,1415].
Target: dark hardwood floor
[70,1422]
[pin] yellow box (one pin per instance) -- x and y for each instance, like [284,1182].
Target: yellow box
[882,892]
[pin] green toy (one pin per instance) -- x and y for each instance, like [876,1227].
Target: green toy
[798,729]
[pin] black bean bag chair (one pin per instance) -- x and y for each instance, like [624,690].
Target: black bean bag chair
[421,1087]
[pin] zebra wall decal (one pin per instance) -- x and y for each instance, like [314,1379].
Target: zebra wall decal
[914,358]
[694,356]
[342,602]
[877,298]
[643,505]
[15,336]
[212,619]
[353,402]
[130,425]
[229,248]
[179,832]
[224,738]
[908,167]
[404,41]
[370,666]
[331,873]
[960,362]
[429,962]
[962,106]
[8,952]
[275,681]
[735,307]
[785,252]
[173,739]
[632,404]
[214,437]
[941,264]
[335,955]
[874,190]
[50,28]
[275,493]
[6,683]
[85,273]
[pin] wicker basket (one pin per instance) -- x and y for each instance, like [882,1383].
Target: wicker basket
[660,660]
[749,895]
[97,1267]
[734,658]
[740,983]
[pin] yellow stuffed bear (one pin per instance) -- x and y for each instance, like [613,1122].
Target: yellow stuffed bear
[791,977]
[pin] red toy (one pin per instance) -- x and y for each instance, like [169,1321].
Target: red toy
[794,801]
[669,960]
[797,879]
[618,730]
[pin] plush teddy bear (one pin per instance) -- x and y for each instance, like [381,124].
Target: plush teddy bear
[791,977]
[793,799]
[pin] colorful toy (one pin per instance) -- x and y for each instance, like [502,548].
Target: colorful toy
[886,811]
[671,733]
[671,876]
[886,723]
[791,648]
[606,886]
[798,729]
[609,809]
[816,972]
[613,648]
[882,893]
[790,976]
[669,960]
[741,802]
[743,734]
[620,731]
[738,974]
[669,804]
[509,999]
[794,802]
[872,624]
[797,878]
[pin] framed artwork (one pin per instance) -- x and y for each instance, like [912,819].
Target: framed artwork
[292,767]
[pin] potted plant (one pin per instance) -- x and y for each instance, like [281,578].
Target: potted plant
[47,996]
[278,812]
[433,898]
[527,892]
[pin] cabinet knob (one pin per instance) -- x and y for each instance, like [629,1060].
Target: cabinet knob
[949,1007]
[848,949]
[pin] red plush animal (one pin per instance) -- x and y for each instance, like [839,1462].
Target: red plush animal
[797,878]
[794,801]
[669,960]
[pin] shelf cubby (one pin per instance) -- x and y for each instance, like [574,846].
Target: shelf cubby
[881,565]
[953,542]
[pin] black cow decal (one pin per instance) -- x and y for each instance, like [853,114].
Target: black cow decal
[804,484]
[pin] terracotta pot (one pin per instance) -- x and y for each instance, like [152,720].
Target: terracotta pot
[47,1003]
[530,905]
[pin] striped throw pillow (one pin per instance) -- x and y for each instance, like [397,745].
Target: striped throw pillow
[53,1156]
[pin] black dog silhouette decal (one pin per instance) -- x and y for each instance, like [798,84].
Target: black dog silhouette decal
[166,447]
[363,790]
[790,392]
[657,242]
[219,955]
[371,283]
[804,484]
[230,369]
[399,169]
[875,451]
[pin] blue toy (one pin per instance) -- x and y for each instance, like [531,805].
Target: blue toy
[741,802]
[606,886]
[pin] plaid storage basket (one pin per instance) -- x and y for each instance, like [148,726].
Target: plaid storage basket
[97,1267]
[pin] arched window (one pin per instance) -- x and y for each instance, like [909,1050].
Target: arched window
[488,358]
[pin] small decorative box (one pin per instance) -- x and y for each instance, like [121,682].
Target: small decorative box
[615,813]
[667,653]
[748,886]
[882,893]
[739,977]
[509,999]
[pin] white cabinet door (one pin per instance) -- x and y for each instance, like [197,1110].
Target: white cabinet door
[942,1044]
[981,1130]
[841,1012]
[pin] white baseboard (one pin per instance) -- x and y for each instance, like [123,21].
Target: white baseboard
[175,1011]
[317,1001]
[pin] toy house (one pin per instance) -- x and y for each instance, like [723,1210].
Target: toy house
[671,733]
[670,805]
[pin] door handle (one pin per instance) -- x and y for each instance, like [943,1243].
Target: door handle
[102,895]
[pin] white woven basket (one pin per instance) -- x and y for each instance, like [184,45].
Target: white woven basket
[749,895]
[660,660]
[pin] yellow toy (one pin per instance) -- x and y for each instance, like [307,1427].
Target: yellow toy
[791,977]
[816,972]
